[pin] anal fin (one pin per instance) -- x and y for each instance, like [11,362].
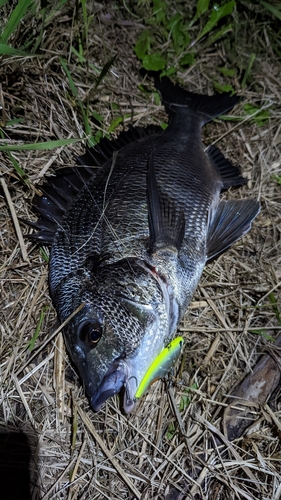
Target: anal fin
[229,173]
[166,221]
[232,219]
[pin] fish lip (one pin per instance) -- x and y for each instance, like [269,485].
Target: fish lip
[117,377]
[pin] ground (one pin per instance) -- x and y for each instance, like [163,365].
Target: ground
[77,78]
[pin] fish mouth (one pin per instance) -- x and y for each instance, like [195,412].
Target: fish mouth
[118,376]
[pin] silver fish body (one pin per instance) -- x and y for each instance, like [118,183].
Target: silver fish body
[132,241]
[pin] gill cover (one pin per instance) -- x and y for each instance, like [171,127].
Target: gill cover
[161,365]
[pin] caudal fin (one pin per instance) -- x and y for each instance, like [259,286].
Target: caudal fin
[208,107]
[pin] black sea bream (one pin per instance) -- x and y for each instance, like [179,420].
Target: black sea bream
[130,240]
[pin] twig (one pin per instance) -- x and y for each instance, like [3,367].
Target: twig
[106,451]
[15,221]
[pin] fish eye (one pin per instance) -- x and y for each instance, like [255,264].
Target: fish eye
[90,332]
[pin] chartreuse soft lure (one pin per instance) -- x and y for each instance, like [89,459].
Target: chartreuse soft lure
[161,365]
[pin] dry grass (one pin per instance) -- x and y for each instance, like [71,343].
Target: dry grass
[159,452]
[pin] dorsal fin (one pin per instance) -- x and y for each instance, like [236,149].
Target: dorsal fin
[103,151]
[61,189]
[166,223]
[229,173]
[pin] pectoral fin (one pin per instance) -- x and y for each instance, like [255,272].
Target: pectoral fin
[166,220]
[231,220]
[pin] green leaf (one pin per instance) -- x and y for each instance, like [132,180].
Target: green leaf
[143,44]
[260,116]
[218,12]
[16,17]
[223,88]
[156,98]
[179,32]
[114,124]
[154,62]
[187,59]
[277,178]
[184,402]
[39,145]
[171,431]
[168,72]
[97,116]
[202,7]
[173,21]
[227,72]
[97,137]
[15,121]
[159,10]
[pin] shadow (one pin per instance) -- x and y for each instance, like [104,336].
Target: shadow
[18,468]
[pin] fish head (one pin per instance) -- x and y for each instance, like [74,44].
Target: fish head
[113,341]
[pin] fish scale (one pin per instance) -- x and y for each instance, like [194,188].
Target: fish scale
[130,240]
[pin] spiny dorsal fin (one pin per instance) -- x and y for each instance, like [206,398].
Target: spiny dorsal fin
[62,188]
[103,151]
[230,174]
[166,223]
[231,220]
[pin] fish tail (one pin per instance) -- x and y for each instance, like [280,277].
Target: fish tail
[175,99]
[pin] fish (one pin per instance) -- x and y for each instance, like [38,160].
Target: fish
[131,227]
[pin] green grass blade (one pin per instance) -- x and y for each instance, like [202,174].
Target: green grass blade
[21,173]
[274,9]
[105,70]
[213,37]
[248,70]
[16,17]
[80,58]
[70,79]
[6,50]
[44,254]
[38,328]
[18,169]
[39,146]
[75,94]
[262,334]
[274,304]
[53,13]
